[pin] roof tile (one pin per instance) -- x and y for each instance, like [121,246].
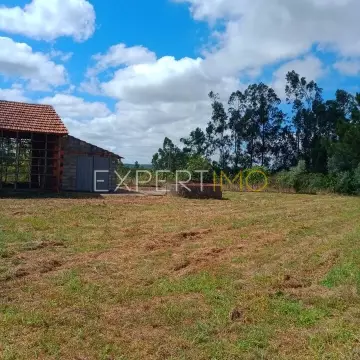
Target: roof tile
[16,116]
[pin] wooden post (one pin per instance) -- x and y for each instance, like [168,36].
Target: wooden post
[31,160]
[45,162]
[58,173]
[17,161]
[2,158]
[6,159]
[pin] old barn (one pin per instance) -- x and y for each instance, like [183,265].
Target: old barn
[37,153]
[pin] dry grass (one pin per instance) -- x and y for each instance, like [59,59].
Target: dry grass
[257,276]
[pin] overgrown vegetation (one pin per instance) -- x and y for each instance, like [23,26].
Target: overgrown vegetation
[318,139]
[302,181]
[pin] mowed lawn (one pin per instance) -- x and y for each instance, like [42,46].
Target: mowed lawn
[255,276]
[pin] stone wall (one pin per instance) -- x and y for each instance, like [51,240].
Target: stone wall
[73,148]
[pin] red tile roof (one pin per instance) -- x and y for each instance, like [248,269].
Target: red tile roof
[16,116]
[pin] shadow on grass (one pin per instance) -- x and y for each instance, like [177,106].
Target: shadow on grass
[41,194]
[23,194]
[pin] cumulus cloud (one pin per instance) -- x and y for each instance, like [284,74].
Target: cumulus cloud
[166,80]
[310,67]
[15,93]
[63,56]
[50,19]
[137,131]
[167,96]
[20,61]
[76,107]
[262,32]
[156,98]
[120,54]
[348,67]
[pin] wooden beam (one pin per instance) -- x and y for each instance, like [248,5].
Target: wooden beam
[31,159]
[58,171]
[2,158]
[6,163]
[17,161]
[45,162]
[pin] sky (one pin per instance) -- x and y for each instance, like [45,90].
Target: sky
[125,74]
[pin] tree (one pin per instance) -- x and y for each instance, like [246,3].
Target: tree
[345,150]
[199,163]
[196,143]
[136,166]
[237,124]
[169,157]
[216,130]
[263,120]
[308,120]
[284,150]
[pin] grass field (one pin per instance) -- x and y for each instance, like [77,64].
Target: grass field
[256,276]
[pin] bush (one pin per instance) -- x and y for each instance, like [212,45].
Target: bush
[292,179]
[357,180]
[320,182]
[345,183]
[256,178]
[303,182]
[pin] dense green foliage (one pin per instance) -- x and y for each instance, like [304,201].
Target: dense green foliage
[312,146]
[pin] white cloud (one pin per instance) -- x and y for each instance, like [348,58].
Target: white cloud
[310,67]
[63,56]
[13,94]
[75,107]
[50,19]
[167,97]
[262,32]
[18,60]
[348,67]
[120,54]
[167,80]
[217,9]
[136,132]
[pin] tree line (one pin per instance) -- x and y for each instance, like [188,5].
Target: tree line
[256,128]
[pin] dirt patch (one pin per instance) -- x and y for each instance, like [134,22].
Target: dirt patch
[20,273]
[192,234]
[236,315]
[50,265]
[181,264]
[291,282]
[33,246]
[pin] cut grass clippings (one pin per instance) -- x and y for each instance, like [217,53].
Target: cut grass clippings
[256,276]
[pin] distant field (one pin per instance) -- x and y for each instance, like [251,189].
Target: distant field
[256,276]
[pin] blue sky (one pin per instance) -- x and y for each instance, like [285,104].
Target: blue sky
[124,75]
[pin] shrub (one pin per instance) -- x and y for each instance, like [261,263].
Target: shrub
[292,179]
[345,183]
[357,180]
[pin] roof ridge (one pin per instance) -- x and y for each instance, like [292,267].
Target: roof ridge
[25,103]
